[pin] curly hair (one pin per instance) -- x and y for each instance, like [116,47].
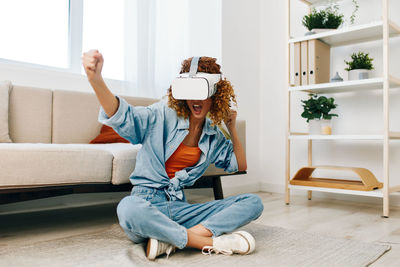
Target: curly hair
[220,107]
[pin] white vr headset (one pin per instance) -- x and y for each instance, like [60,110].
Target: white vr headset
[195,85]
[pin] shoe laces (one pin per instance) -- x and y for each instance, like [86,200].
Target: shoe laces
[208,250]
[168,248]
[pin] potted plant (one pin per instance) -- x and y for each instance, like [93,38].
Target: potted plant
[317,112]
[359,66]
[322,20]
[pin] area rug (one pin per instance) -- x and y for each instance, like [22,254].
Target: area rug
[275,247]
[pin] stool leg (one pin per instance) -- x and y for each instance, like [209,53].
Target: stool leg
[217,187]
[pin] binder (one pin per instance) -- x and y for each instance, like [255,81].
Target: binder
[295,77]
[304,62]
[318,62]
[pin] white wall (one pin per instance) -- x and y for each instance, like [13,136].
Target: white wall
[205,35]
[273,91]
[240,58]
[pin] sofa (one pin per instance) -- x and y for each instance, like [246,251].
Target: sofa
[50,154]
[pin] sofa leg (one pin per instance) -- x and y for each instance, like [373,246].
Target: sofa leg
[217,187]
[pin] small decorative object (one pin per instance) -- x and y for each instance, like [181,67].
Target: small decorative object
[360,66]
[316,111]
[337,78]
[326,19]
[367,181]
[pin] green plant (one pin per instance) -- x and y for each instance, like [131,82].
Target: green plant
[353,14]
[359,60]
[318,107]
[328,18]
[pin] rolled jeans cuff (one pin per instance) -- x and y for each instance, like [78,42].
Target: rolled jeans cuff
[183,241]
[214,233]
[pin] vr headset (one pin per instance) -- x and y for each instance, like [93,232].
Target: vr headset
[195,85]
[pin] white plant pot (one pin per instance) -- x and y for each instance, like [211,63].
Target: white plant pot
[314,127]
[358,74]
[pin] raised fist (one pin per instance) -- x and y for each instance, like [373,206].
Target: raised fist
[93,63]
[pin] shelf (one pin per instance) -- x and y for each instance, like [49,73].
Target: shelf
[337,137]
[314,2]
[351,35]
[373,193]
[346,86]
[379,137]
[394,135]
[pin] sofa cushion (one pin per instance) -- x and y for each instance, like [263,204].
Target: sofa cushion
[124,160]
[30,114]
[5,87]
[49,164]
[75,116]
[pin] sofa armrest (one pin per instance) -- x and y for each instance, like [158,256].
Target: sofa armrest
[241,129]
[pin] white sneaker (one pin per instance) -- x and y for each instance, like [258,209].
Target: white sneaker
[239,242]
[156,248]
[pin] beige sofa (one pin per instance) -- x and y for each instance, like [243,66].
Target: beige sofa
[50,154]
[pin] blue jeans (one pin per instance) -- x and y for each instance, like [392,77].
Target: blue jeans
[150,213]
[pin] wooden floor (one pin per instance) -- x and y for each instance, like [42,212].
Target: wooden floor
[334,218]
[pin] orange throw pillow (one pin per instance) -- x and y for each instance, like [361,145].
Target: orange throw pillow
[108,135]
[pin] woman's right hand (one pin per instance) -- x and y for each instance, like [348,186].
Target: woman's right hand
[93,63]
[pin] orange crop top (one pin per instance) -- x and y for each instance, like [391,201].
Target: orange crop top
[183,157]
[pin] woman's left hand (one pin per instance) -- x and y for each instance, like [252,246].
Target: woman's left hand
[230,122]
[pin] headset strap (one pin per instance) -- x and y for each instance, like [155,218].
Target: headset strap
[193,66]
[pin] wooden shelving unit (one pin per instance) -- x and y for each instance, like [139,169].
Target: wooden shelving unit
[381,30]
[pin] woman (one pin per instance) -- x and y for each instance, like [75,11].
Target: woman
[178,144]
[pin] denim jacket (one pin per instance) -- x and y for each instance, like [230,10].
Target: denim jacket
[160,131]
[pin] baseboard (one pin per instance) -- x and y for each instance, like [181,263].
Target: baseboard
[278,188]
